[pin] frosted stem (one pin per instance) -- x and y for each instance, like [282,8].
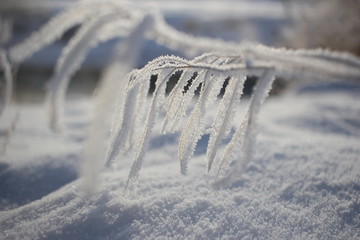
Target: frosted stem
[157,100]
[244,138]
[125,58]
[231,100]
[71,60]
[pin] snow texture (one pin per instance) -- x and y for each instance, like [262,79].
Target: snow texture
[303,181]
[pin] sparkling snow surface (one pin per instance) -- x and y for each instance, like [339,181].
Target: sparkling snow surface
[303,183]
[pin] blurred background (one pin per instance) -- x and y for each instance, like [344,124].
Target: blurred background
[330,24]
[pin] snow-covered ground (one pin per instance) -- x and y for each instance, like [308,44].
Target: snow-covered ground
[303,183]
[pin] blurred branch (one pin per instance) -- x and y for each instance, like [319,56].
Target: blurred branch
[32,7]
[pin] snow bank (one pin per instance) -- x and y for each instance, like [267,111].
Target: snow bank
[303,183]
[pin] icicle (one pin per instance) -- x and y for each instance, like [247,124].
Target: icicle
[244,139]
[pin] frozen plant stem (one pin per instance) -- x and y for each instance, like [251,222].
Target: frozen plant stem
[67,65]
[207,73]
[111,88]
[241,147]
[222,123]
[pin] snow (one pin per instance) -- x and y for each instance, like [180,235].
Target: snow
[303,183]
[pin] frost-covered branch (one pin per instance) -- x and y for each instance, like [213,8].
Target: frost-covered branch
[208,73]
[110,92]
